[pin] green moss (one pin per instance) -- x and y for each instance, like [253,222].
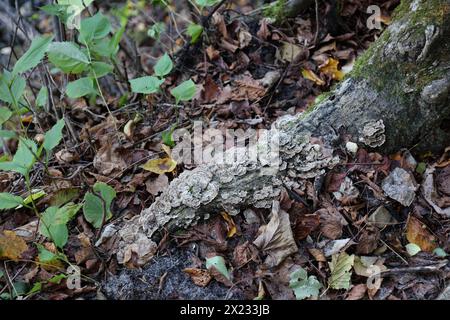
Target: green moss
[392,75]
[276,10]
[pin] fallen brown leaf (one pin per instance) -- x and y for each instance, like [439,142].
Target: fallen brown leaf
[200,277]
[418,233]
[357,292]
[11,245]
[276,238]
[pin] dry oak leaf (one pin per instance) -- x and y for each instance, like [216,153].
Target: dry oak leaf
[276,237]
[11,245]
[247,88]
[244,253]
[200,277]
[417,233]
[332,222]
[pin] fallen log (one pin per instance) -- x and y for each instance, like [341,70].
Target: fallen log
[395,97]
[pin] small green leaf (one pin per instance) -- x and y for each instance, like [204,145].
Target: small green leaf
[340,267]
[94,28]
[93,210]
[146,85]
[36,194]
[37,287]
[23,159]
[421,167]
[206,3]
[304,286]
[185,91]
[42,98]
[61,11]
[34,54]
[80,88]
[412,249]
[11,87]
[9,201]
[54,221]
[53,137]
[67,57]
[48,258]
[62,196]
[167,137]
[5,114]
[194,31]
[440,252]
[8,134]
[57,278]
[156,30]
[163,66]
[218,262]
[94,206]
[100,69]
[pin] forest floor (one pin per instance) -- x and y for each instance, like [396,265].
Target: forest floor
[375,227]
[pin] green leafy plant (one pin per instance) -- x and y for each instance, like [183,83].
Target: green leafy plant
[218,263]
[206,3]
[9,201]
[304,286]
[194,31]
[152,84]
[97,205]
[54,221]
[156,30]
[95,58]
[184,91]
[34,54]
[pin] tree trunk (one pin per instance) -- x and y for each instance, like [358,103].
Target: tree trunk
[396,96]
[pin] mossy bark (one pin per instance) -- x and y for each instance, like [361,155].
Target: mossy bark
[397,96]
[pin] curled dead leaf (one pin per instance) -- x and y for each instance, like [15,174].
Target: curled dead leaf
[276,238]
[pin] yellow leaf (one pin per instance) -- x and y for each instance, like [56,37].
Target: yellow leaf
[330,67]
[160,166]
[231,226]
[11,245]
[308,74]
[167,150]
[27,119]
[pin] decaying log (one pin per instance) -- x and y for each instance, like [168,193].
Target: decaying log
[396,96]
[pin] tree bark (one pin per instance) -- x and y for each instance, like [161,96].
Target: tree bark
[396,96]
